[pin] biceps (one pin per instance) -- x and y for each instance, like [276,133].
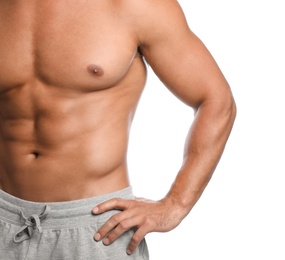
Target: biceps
[187,68]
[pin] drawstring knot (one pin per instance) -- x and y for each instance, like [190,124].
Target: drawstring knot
[30,224]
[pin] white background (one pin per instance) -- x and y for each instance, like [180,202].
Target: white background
[241,214]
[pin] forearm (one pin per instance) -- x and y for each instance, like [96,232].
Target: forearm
[204,146]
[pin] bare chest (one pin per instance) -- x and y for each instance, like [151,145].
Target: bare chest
[75,44]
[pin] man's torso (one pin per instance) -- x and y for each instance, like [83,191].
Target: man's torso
[70,80]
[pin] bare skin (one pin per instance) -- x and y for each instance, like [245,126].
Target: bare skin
[70,80]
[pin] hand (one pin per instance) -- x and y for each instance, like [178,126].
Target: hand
[145,215]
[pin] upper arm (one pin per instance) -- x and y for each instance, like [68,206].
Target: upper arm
[177,55]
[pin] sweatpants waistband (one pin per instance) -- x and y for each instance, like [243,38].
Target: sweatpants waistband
[58,215]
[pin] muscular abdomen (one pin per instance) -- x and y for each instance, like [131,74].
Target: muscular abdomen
[66,102]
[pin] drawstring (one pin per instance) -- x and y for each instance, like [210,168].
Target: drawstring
[31,223]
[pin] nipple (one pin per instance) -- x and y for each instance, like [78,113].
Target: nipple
[95,70]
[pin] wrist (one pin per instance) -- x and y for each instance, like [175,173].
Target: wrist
[176,206]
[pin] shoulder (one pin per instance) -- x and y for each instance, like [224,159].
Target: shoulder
[150,18]
[151,5]
[152,10]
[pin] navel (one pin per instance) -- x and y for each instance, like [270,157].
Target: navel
[95,70]
[35,154]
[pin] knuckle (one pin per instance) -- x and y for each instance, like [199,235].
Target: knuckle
[135,239]
[150,222]
[115,219]
[123,225]
[115,200]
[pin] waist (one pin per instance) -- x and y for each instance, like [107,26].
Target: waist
[60,214]
[63,178]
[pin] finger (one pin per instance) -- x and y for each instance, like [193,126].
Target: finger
[122,227]
[147,225]
[136,239]
[110,224]
[115,203]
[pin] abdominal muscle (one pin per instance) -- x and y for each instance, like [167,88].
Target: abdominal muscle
[89,165]
[64,145]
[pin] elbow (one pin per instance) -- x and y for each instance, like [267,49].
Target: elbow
[220,106]
[224,117]
[223,109]
[231,109]
[226,114]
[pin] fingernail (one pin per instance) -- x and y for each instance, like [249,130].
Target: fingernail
[95,210]
[97,236]
[106,241]
[129,251]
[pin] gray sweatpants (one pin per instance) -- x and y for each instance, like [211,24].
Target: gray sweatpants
[60,230]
